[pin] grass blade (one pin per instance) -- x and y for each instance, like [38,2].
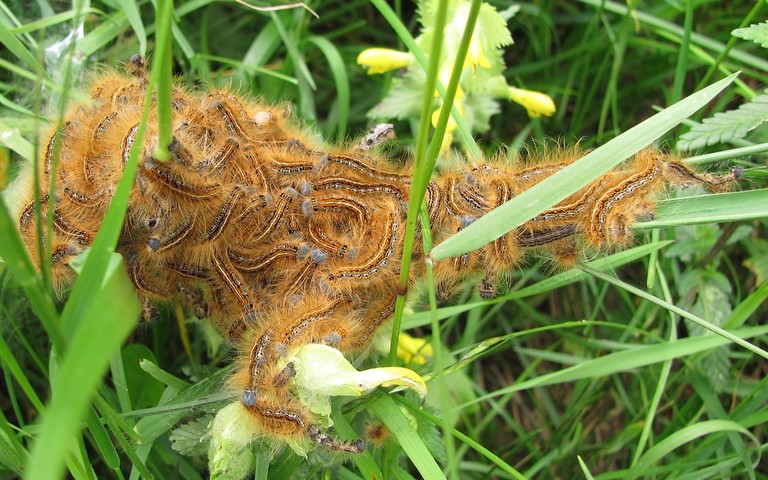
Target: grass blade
[93,343]
[721,207]
[684,436]
[631,358]
[390,414]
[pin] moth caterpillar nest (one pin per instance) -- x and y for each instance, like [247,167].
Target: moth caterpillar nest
[283,242]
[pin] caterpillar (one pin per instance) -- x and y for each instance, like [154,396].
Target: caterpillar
[281,242]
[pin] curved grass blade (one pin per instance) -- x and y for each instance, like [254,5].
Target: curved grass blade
[684,436]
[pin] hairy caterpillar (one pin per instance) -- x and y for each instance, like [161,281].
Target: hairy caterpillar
[283,243]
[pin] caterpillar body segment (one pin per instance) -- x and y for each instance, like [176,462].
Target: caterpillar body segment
[282,242]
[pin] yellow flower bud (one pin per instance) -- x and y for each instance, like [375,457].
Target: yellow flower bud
[536,103]
[380,60]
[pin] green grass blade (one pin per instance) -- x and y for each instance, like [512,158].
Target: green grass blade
[294,53]
[679,311]
[109,29]
[249,68]
[747,307]
[340,79]
[11,365]
[721,207]
[625,360]
[54,20]
[390,414]
[9,40]
[684,436]
[102,441]
[550,283]
[11,139]
[161,71]
[93,343]
[574,177]
[467,440]
[20,266]
[131,11]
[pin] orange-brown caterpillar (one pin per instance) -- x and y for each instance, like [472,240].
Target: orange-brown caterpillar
[281,242]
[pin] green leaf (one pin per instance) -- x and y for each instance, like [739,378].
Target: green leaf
[145,390]
[757,33]
[11,138]
[12,453]
[726,126]
[340,79]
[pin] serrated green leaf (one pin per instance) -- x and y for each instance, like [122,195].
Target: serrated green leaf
[726,126]
[712,303]
[491,28]
[191,438]
[403,99]
[757,33]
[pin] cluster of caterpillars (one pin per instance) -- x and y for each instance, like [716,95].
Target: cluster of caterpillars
[283,243]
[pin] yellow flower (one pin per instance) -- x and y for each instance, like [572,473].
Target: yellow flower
[450,127]
[414,350]
[476,55]
[536,103]
[380,60]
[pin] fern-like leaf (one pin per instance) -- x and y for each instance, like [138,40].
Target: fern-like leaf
[726,126]
[757,33]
